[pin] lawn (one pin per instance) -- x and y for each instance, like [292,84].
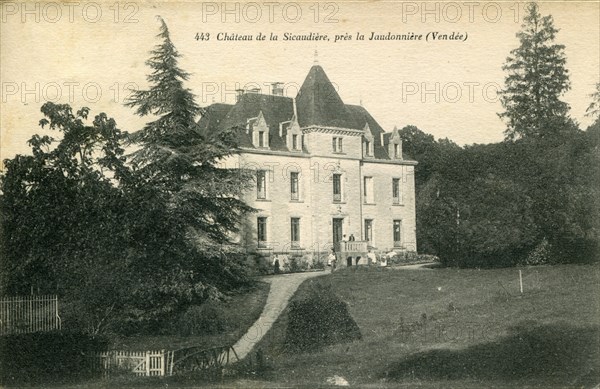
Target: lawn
[455,328]
[239,312]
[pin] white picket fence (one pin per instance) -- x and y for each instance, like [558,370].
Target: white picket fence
[162,363]
[22,314]
[140,363]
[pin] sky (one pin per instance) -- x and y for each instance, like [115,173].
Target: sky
[92,54]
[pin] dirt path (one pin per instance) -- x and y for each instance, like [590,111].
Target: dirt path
[282,289]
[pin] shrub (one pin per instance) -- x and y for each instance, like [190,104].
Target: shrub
[318,264]
[540,255]
[259,265]
[319,320]
[298,264]
[47,357]
[205,319]
[405,257]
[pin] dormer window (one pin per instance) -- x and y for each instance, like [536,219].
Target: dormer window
[290,130]
[260,131]
[395,145]
[337,145]
[368,148]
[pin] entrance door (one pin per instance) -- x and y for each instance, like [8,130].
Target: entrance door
[337,229]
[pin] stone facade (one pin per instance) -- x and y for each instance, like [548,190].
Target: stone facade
[323,168]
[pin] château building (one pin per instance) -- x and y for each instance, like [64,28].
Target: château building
[324,169]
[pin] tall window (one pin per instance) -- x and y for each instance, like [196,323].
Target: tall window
[261,139]
[367,148]
[368,190]
[261,184]
[397,233]
[337,145]
[294,186]
[369,230]
[396,190]
[294,142]
[261,231]
[396,150]
[295,231]
[337,187]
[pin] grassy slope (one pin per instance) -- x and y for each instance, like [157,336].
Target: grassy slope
[457,328]
[240,311]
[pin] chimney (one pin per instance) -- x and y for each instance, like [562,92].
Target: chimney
[295,109]
[239,93]
[277,88]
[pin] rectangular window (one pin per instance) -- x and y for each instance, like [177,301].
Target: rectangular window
[295,231]
[261,231]
[396,150]
[367,148]
[368,190]
[261,139]
[369,230]
[397,233]
[294,142]
[337,145]
[337,187]
[294,185]
[261,184]
[396,190]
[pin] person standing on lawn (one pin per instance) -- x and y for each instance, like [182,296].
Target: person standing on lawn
[331,259]
[371,258]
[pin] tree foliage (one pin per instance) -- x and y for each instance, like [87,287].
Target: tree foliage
[536,80]
[593,109]
[139,236]
[62,229]
[492,205]
[189,205]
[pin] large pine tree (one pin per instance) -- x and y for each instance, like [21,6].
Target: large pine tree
[536,80]
[177,158]
[185,204]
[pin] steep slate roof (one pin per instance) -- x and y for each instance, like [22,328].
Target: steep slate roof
[317,103]
[275,109]
[361,117]
[213,116]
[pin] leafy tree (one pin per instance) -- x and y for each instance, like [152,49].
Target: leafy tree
[536,80]
[593,109]
[61,226]
[434,222]
[138,239]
